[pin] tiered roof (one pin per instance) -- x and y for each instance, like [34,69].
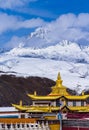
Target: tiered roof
[59,91]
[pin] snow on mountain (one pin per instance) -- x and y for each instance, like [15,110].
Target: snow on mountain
[68,58]
[38,39]
[43,37]
[66,51]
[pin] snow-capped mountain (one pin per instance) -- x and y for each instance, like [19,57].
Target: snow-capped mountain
[68,58]
[65,51]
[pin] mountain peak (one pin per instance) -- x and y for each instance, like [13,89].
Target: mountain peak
[21,45]
[66,42]
[39,32]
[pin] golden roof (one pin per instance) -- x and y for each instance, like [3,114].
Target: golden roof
[77,97]
[79,108]
[36,108]
[36,97]
[58,91]
[19,107]
[52,97]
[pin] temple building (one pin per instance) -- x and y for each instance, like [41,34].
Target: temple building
[58,100]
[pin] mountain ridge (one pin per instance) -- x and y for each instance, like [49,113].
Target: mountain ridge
[68,58]
[13,89]
[65,50]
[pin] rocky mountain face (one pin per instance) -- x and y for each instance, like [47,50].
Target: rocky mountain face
[13,89]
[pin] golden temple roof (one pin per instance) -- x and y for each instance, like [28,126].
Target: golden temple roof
[77,97]
[36,97]
[50,97]
[79,108]
[36,108]
[58,91]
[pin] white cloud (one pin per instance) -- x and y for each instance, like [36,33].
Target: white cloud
[32,23]
[70,27]
[12,4]
[15,41]
[7,22]
[10,22]
[66,27]
[82,20]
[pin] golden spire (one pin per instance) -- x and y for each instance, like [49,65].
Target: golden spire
[82,93]
[35,93]
[20,102]
[59,89]
[59,81]
[58,76]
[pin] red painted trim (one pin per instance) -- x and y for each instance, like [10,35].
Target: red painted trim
[74,128]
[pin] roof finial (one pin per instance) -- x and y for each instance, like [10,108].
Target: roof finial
[59,77]
[82,93]
[59,80]
[20,102]
[35,93]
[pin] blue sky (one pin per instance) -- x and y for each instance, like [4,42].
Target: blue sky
[18,18]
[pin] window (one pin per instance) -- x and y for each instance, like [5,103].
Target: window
[74,103]
[82,103]
[70,103]
[58,103]
[22,116]
[78,103]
